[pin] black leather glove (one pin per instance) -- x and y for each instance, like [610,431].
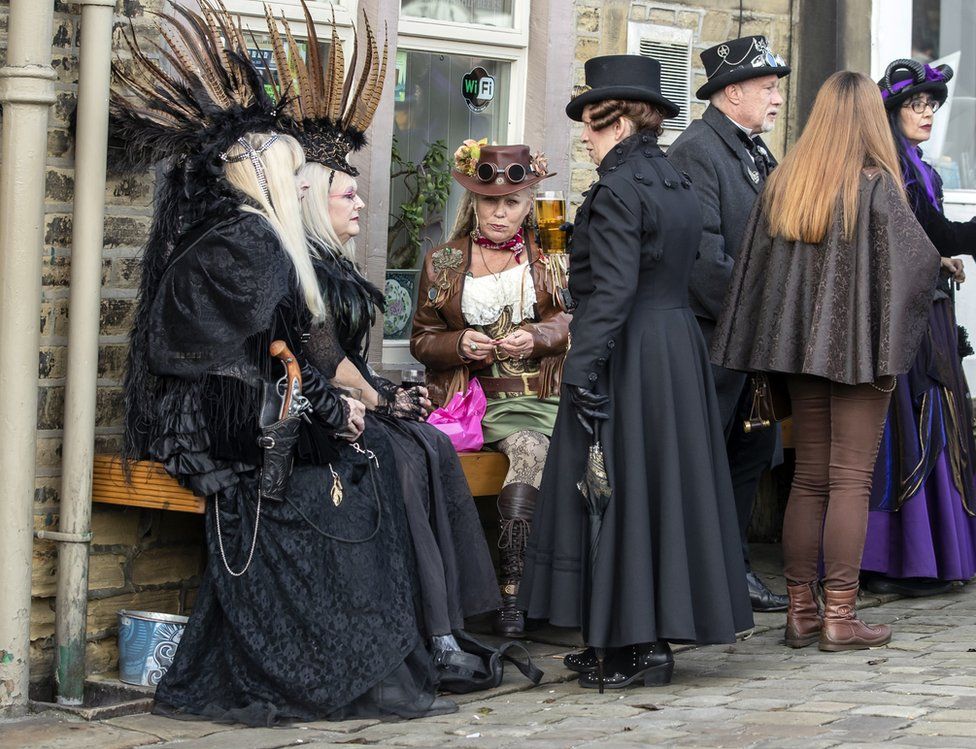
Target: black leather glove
[327,404]
[590,406]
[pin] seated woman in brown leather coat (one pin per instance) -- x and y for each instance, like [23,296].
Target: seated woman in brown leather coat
[490,308]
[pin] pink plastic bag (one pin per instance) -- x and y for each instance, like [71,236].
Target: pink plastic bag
[461,418]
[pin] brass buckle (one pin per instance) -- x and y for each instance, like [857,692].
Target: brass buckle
[525,384]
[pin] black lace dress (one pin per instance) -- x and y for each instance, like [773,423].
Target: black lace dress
[454,565]
[322,624]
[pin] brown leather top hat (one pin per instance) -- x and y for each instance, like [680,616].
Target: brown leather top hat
[500,170]
[628,77]
[739,60]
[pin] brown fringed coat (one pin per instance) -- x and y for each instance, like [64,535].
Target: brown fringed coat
[439,323]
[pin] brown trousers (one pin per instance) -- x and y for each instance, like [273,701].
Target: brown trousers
[836,432]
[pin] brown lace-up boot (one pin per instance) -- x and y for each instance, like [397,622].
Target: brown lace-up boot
[803,618]
[515,505]
[842,630]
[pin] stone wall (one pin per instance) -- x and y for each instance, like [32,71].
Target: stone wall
[140,559]
[601,29]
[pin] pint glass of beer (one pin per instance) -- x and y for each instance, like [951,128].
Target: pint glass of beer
[550,212]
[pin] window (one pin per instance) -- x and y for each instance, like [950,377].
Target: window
[431,111]
[672,48]
[942,32]
[498,13]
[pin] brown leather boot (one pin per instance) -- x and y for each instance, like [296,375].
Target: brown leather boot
[803,618]
[842,630]
[515,505]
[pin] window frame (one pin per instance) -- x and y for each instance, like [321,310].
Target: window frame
[504,45]
[345,11]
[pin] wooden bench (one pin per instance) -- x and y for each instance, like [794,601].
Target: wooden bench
[152,487]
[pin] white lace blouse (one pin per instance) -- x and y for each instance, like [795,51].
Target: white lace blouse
[486,297]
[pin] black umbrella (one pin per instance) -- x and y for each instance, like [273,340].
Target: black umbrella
[596,490]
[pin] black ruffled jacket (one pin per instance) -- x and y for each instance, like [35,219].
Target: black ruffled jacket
[228,290]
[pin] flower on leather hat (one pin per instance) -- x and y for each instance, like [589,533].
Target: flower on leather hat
[467,155]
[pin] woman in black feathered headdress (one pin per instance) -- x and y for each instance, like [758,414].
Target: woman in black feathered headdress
[306,608]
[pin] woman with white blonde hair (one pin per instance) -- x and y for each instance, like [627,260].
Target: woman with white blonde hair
[306,606]
[454,565]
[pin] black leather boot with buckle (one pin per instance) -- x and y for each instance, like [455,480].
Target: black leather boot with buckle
[650,663]
[515,505]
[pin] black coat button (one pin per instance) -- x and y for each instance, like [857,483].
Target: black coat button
[669,184]
[611,343]
[593,377]
[648,152]
[601,362]
[686,185]
[638,176]
[644,139]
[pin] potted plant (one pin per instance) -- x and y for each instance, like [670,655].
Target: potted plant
[416,221]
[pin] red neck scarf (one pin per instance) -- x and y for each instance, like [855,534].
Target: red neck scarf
[515,245]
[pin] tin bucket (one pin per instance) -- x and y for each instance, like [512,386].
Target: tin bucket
[147,643]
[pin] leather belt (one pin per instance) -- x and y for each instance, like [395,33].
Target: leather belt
[526,384]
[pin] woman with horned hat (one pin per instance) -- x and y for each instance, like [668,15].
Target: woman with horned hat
[306,608]
[922,525]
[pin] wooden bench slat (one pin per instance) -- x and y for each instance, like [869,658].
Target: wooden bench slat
[152,487]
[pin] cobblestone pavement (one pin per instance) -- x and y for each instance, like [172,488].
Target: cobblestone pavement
[919,691]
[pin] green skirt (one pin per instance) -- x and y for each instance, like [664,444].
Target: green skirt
[505,416]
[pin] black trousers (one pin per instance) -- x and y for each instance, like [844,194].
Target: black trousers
[749,454]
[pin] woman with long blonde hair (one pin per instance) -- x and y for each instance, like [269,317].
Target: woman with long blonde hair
[831,293]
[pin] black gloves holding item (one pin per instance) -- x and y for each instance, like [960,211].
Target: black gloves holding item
[590,407]
[327,405]
[400,402]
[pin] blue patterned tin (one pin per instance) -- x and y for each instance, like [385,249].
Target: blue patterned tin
[147,643]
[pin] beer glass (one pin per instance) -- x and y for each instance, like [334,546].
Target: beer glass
[550,213]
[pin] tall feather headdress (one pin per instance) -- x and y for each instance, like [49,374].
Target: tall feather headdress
[192,94]
[183,100]
[329,111]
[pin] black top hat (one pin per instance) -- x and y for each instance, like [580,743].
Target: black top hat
[905,78]
[739,60]
[628,77]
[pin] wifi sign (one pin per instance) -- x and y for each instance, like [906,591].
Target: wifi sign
[478,89]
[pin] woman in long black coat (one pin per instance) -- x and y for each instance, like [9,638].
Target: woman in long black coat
[668,565]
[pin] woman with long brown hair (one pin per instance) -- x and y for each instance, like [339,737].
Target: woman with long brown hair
[832,289]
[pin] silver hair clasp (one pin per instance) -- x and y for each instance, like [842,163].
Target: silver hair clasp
[254,155]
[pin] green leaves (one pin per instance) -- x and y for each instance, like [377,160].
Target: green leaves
[428,184]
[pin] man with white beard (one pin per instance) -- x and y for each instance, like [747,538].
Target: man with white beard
[724,156]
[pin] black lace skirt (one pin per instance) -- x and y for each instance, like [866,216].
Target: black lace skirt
[323,623]
[454,565]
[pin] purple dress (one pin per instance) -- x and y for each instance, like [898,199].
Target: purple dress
[922,522]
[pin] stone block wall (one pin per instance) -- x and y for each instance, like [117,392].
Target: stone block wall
[140,559]
[601,29]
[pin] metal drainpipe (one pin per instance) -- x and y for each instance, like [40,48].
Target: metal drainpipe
[26,94]
[71,607]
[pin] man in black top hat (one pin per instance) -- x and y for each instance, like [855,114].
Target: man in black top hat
[724,155]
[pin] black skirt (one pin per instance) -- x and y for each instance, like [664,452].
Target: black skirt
[669,562]
[323,624]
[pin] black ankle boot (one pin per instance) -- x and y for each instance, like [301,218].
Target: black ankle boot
[651,663]
[583,662]
[515,505]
